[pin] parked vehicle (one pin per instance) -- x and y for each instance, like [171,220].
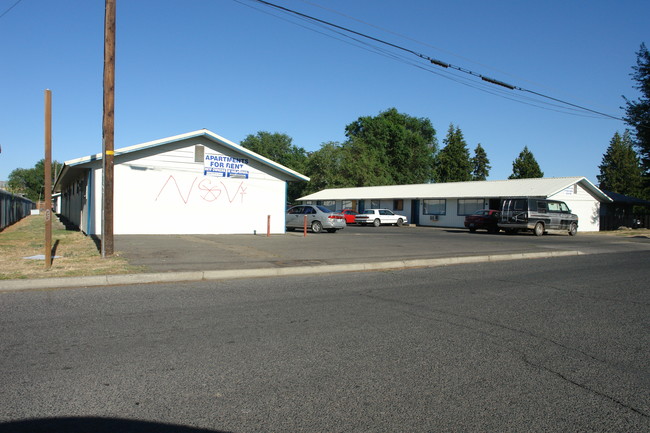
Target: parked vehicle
[484,219]
[349,215]
[378,217]
[318,218]
[538,215]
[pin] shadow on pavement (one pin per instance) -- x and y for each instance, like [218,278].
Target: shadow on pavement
[95,425]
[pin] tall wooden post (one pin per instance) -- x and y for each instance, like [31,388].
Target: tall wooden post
[108,129]
[48,179]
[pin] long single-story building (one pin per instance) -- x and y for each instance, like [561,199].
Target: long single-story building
[194,183]
[447,204]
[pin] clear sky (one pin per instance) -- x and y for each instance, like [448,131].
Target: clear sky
[236,67]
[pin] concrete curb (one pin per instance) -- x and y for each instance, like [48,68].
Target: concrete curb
[170,277]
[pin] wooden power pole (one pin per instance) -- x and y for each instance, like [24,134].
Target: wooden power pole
[48,179]
[108,129]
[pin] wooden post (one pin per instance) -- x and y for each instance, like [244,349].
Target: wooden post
[48,179]
[304,229]
[108,129]
[268,226]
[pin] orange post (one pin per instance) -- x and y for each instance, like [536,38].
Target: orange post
[305,226]
[268,226]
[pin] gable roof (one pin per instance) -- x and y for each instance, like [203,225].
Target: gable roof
[539,187]
[199,133]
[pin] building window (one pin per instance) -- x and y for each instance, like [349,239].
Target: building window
[467,206]
[434,207]
[374,204]
[199,153]
[331,204]
[346,204]
[398,204]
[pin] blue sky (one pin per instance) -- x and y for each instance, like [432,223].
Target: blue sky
[236,68]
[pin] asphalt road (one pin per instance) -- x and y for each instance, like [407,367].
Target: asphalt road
[549,345]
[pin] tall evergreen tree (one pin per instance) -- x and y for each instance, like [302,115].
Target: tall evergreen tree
[525,166]
[620,170]
[392,148]
[480,164]
[638,113]
[453,162]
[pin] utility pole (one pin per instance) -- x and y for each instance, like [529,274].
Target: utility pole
[48,179]
[108,129]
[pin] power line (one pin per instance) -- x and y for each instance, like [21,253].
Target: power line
[434,61]
[10,8]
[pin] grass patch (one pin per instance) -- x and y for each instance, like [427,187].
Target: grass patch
[78,253]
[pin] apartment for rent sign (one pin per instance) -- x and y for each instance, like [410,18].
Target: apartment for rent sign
[225,166]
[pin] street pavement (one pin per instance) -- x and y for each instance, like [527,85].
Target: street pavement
[169,258]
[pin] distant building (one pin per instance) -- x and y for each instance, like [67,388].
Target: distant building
[194,183]
[447,204]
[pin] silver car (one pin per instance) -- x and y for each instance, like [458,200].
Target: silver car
[316,217]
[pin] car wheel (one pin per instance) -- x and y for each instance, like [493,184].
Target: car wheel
[400,221]
[573,229]
[376,222]
[539,229]
[472,229]
[316,227]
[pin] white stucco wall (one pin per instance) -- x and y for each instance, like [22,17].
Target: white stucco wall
[166,192]
[582,204]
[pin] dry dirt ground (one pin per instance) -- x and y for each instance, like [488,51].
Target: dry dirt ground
[22,252]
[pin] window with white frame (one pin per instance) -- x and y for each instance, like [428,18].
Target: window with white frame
[346,204]
[330,204]
[467,206]
[434,207]
[374,204]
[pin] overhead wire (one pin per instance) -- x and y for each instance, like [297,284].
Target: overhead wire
[563,105]
[10,8]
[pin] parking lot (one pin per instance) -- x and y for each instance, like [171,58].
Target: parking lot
[354,244]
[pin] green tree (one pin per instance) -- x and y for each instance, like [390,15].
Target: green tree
[620,170]
[638,112]
[525,166]
[30,182]
[453,162]
[279,148]
[480,164]
[324,168]
[390,148]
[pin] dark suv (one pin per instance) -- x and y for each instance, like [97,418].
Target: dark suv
[538,215]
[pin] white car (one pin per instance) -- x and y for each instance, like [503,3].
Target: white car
[378,217]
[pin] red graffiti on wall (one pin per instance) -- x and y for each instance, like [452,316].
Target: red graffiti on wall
[207,190]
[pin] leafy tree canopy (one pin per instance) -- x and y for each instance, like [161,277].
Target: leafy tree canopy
[480,164]
[638,112]
[525,166]
[279,148]
[620,170]
[453,161]
[390,148]
[30,182]
[324,168]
